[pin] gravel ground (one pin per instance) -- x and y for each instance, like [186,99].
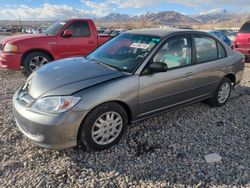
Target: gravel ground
[165,151]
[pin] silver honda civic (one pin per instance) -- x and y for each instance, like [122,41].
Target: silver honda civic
[140,73]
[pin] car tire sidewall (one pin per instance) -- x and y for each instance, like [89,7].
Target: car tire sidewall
[26,64]
[224,80]
[87,124]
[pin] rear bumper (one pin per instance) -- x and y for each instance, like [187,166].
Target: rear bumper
[10,60]
[245,51]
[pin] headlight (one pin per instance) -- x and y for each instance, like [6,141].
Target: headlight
[10,48]
[54,105]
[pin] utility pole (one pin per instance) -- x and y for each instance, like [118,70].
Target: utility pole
[20,23]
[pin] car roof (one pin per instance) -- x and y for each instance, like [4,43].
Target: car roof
[215,30]
[161,32]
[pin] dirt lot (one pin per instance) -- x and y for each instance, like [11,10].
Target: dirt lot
[167,150]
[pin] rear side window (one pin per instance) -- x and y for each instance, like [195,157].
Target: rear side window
[245,28]
[80,29]
[206,49]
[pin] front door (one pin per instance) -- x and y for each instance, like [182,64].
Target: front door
[80,43]
[162,90]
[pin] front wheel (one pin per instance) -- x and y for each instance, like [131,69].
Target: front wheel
[104,126]
[222,93]
[35,60]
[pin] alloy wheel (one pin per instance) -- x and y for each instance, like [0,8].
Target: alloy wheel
[224,92]
[37,61]
[107,128]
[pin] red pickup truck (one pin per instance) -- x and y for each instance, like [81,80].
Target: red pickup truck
[242,41]
[65,38]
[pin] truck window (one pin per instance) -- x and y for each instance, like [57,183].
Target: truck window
[245,28]
[80,29]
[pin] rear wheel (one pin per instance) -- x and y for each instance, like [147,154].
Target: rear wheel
[222,93]
[104,126]
[35,60]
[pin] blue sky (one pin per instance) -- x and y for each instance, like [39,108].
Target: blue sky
[54,9]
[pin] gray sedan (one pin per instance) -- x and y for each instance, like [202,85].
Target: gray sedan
[140,73]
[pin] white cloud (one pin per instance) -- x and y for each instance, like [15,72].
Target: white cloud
[49,11]
[134,3]
[98,9]
[44,12]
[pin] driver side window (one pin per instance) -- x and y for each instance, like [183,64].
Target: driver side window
[80,29]
[175,53]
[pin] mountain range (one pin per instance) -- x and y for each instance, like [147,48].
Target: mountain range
[215,16]
[211,17]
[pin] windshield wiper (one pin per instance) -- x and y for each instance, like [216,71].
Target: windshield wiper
[107,65]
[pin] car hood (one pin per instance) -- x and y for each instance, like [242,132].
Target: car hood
[67,76]
[17,38]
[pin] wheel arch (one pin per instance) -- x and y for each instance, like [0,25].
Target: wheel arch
[231,77]
[36,50]
[121,103]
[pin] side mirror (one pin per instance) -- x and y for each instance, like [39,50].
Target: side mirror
[158,67]
[67,33]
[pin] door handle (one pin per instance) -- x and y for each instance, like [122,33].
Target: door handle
[91,42]
[189,75]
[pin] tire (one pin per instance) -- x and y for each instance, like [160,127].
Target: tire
[216,100]
[89,129]
[33,58]
[247,59]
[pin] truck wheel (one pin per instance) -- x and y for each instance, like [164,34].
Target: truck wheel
[35,60]
[104,126]
[247,59]
[222,93]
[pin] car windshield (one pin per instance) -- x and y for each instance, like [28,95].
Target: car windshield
[55,28]
[124,52]
[115,32]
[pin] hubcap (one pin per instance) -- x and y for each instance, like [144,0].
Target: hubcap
[224,92]
[37,62]
[107,128]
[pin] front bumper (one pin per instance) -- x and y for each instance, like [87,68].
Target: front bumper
[52,131]
[10,60]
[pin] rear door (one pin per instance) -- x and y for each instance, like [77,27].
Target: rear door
[210,64]
[80,43]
